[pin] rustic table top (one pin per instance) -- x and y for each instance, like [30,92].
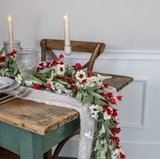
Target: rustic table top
[41,118]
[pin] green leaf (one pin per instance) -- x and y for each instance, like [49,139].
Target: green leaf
[2,71]
[68,72]
[91,88]
[4,63]
[99,120]
[14,65]
[15,71]
[99,90]
[6,69]
[98,101]
[109,131]
[96,95]
[79,96]
[46,69]
[107,122]
[39,81]
[85,94]
[114,144]
[98,146]
[1,51]
[88,99]
[93,156]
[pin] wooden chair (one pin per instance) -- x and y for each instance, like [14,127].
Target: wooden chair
[48,45]
[90,47]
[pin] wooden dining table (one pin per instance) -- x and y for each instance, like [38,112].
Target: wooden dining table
[30,129]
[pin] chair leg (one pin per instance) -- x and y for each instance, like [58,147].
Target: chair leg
[48,154]
[61,144]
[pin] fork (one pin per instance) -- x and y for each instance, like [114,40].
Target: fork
[22,94]
[19,94]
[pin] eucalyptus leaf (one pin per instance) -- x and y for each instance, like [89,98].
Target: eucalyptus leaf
[2,71]
[88,99]
[39,81]
[6,69]
[107,122]
[98,101]
[1,51]
[46,69]
[109,131]
[98,146]
[114,144]
[85,94]
[91,88]
[68,72]
[96,95]
[4,63]
[15,71]
[79,96]
[100,91]
[14,65]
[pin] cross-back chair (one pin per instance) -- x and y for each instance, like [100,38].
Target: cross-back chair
[48,45]
[96,48]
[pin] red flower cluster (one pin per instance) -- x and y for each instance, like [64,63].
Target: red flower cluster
[48,86]
[107,109]
[115,131]
[37,86]
[61,56]
[12,53]
[90,74]
[77,67]
[122,156]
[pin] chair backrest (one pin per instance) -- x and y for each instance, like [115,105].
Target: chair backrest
[90,47]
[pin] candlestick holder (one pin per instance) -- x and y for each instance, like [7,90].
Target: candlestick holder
[17,45]
[67,51]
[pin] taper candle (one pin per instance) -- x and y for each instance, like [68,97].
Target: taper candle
[10,33]
[66,29]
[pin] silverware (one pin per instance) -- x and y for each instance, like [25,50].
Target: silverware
[22,94]
[19,94]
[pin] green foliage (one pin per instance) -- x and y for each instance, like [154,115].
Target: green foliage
[1,51]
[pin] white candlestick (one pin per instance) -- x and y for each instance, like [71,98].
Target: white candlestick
[66,30]
[10,33]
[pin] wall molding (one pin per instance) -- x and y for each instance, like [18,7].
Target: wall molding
[116,55]
[141,125]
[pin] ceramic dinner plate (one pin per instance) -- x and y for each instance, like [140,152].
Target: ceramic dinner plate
[5,82]
[13,86]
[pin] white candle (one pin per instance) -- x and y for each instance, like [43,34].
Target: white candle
[66,30]
[10,33]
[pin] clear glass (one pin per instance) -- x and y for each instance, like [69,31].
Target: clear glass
[27,60]
[17,45]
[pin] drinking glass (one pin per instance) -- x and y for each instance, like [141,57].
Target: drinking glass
[17,45]
[27,61]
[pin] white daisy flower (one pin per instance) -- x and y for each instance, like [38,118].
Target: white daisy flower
[103,141]
[60,69]
[95,108]
[80,75]
[106,116]
[115,153]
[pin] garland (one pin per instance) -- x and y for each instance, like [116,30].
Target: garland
[86,88]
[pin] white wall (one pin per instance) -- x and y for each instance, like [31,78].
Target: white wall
[131,31]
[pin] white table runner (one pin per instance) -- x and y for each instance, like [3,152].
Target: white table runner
[86,122]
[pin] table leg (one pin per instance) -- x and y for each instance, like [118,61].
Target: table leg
[30,145]
[48,154]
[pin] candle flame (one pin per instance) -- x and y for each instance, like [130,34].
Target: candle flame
[9,15]
[67,13]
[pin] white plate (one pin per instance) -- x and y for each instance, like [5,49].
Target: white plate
[5,82]
[13,86]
